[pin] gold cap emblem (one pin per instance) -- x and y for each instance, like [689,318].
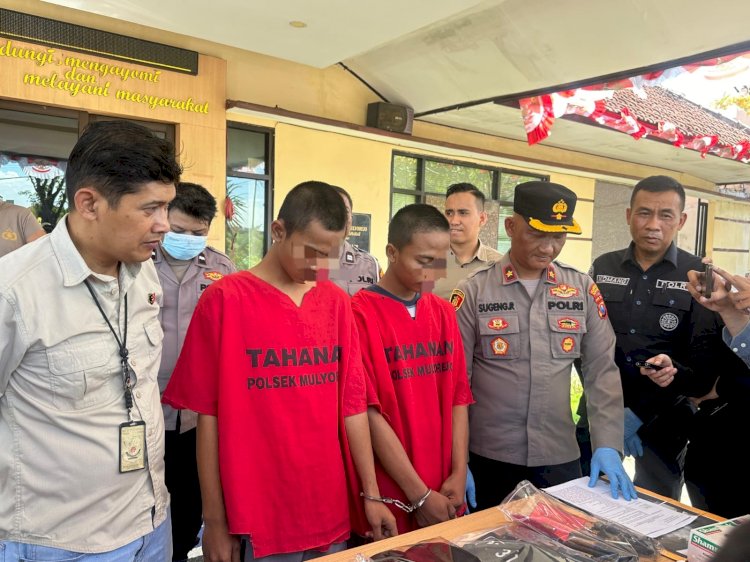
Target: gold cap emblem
[559,208]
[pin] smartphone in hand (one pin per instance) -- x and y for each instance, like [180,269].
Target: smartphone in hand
[647,365]
[708,280]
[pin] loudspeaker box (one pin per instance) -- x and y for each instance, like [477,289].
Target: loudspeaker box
[390,117]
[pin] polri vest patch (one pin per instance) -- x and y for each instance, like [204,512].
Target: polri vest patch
[213,275]
[668,321]
[497,323]
[568,323]
[457,299]
[563,291]
[567,344]
[601,308]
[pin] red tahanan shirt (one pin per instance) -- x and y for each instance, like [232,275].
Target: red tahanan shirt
[280,379]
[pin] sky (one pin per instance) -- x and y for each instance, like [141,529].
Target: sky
[707,84]
[13,182]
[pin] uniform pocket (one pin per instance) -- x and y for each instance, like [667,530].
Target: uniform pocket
[500,336]
[669,309]
[566,332]
[71,362]
[613,293]
[154,332]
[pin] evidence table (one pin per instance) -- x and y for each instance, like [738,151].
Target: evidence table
[482,520]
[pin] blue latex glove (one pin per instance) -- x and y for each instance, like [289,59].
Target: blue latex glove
[471,491]
[606,460]
[633,446]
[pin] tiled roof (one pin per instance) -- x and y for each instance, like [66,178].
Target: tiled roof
[690,118]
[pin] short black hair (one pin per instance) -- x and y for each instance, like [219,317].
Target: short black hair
[345,193]
[466,187]
[195,201]
[313,200]
[659,184]
[418,217]
[117,157]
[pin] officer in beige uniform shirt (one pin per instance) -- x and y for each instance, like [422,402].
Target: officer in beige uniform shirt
[186,267]
[18,226]
[81,426]
[523,321]
[464,209]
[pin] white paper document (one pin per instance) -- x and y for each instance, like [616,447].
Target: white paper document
[642,516]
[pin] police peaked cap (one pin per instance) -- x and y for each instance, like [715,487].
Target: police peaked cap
[546,206]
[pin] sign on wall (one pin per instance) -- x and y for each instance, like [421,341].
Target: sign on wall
[359,235]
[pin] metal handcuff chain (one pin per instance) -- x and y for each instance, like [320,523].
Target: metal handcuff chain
[408,508]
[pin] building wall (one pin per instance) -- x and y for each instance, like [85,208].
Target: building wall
[731,236]
[200,133]
[304,151]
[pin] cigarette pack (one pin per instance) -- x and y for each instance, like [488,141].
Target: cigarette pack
[706,540]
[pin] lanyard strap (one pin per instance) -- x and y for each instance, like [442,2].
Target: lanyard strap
[122,346]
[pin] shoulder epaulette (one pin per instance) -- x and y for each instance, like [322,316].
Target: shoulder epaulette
[567,266]
[481,269]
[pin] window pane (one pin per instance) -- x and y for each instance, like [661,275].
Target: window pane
[246,231]
[436,201]
[508,182]
[404,173]
[400,200]
[246,151]
[33,157]
[500,213]
[438,176]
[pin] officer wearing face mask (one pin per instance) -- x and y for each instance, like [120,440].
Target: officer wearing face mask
[186,266]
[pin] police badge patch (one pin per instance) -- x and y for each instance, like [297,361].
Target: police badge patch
[601,308]
[568,323]
[567,344]
[497,323]
[668,321]
[457,299]
[563,291]
[499,346]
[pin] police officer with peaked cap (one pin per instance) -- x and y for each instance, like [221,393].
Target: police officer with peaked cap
[524,319]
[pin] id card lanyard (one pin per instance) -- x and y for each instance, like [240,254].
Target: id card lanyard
[132,432]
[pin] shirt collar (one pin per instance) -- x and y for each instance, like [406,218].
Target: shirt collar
[72,265]
[479,255]
[670,255]
[509,275]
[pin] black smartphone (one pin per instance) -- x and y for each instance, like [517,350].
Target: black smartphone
[708,280]
[647,365]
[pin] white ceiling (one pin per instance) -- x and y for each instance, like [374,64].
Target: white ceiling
[434,54]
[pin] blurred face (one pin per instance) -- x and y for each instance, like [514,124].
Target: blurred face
[305,255]
[655,219]
[182,223]
[465,218]
[420,263]
[132,230]
[532,250]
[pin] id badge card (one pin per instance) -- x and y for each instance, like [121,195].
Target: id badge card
[132,446]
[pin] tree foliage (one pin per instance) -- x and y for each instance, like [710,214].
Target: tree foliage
[741,100]
[49,200]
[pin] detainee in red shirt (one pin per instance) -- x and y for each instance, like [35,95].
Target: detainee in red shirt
[271,363]
[418,390]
